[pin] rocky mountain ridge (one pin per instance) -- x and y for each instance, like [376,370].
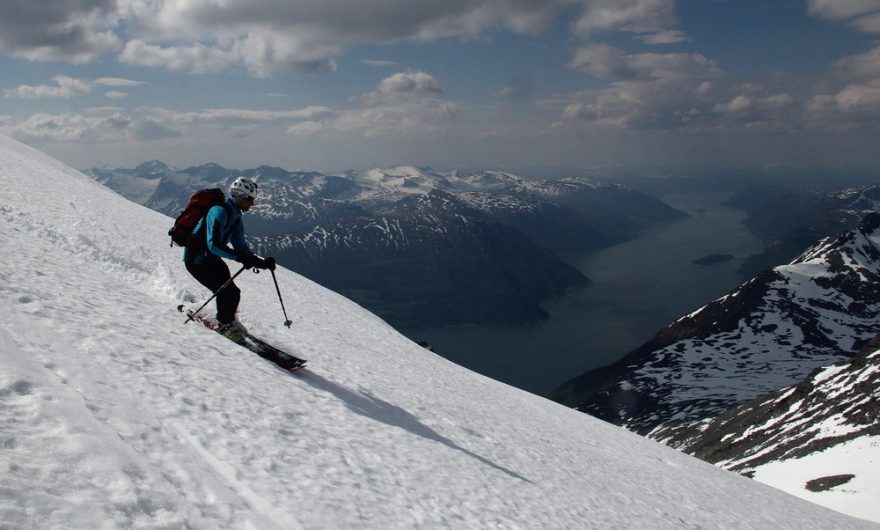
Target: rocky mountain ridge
[790,220]
[832,406]
[768,334]
[478,269]
[817,440]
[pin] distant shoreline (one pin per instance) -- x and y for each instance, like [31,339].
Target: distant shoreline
[712,259]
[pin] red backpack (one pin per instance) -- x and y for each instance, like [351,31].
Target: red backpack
[196,209]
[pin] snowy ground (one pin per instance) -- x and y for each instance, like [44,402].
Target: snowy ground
[791,475]
[115,414]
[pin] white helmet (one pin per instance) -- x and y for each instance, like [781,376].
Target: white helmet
[243,187]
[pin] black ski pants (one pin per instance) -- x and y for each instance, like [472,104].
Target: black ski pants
[212,272]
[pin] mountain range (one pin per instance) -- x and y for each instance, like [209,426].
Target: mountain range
[420,248]
[790,220]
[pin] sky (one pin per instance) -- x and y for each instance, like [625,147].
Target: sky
[535,86]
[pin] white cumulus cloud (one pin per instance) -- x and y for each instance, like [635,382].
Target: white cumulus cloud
[65,87]
[411,82]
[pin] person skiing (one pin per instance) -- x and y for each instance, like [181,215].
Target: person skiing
[211,237]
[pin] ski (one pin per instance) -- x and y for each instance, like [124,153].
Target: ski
[257,345]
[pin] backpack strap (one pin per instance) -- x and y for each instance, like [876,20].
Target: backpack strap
[233,225]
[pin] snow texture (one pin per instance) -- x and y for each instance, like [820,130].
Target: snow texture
[114,414]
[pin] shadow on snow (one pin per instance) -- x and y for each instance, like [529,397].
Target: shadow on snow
[377,409]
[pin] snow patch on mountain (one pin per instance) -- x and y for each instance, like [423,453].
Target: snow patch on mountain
[818,440]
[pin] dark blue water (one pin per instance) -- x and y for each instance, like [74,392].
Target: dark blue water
[639,287]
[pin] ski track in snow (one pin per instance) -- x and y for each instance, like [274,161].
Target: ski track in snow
[115,414]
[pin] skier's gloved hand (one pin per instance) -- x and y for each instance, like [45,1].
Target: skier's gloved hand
[266,263]
[249,261]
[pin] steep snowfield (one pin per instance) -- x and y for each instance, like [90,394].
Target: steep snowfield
[115,414]
[854,496]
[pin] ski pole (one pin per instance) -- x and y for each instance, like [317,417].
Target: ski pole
[287,321]
[224,286]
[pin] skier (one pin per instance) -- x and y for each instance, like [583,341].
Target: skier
[211,238]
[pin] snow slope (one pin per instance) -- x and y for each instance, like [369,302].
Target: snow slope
[115,414]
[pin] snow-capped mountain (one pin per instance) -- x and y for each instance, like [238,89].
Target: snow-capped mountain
[116,414]
[575,213]
[819,440]
[333,229]
[384,185]
[430,260]
[567,214]
[769,333]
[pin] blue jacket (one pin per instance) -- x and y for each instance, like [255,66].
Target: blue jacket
[223,225]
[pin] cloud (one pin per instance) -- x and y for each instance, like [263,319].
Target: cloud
[405,103]
[518,87]
[862,14]
[410,82]
[609,63]
[239,116]
[69,87]
[339,22]
[841,9]
[196,58]
[75,31]
[374,62]
[868,23]
[645,91]
[411,117]
[859,98]
[66,87]
[306,128]
[654,20]
[752,107]
[146,130]
[602,61]
[276,36]
[671,36]
[848,98]
[115,94]
[61,128]
[271,37]
[862,66]
[856,105]
[118,82]
[743,103]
